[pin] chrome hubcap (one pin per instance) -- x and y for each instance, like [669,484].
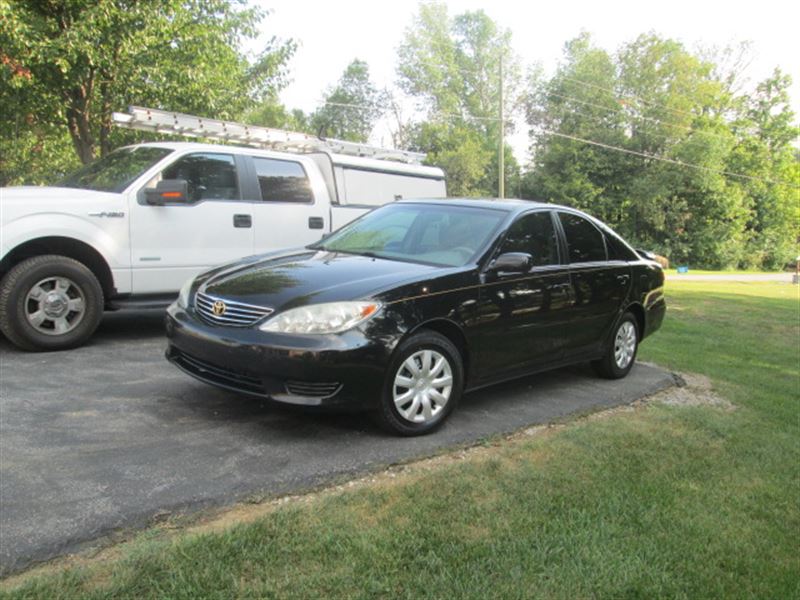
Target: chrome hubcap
[55,306]
[625,344]
[422,386]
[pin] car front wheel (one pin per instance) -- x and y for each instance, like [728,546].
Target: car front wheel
[50,302]
[423,384]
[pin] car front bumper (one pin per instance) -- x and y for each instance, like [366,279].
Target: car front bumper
[338,370]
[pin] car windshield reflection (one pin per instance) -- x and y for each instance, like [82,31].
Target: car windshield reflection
[434,234]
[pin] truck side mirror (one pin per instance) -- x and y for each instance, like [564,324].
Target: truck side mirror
[511,262]
[168,191]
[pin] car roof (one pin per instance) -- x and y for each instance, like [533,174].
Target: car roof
[513,205]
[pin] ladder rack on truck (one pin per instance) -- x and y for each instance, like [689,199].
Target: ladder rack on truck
[162,121]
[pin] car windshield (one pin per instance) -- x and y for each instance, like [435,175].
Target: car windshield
[116,171]
[435,234]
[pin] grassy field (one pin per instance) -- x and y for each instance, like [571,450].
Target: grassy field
[662,501]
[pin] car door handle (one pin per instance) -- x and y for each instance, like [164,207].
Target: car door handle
[623,279]
[316,223]
[243,221]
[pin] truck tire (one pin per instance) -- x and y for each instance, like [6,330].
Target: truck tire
[50,302]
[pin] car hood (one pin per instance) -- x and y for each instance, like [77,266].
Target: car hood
[297,278]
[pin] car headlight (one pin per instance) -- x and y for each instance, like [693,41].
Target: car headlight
[183,295]
[331,317]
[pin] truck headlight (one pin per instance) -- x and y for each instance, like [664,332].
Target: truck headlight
[183,295]
[330,317]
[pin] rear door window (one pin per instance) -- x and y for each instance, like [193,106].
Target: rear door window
[282,181]
[585,243]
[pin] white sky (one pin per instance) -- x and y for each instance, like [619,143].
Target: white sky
[332,33]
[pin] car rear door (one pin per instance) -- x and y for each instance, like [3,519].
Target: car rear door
[599,285]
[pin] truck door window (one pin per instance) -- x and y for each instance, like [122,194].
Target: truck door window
[210,176]
[282,181]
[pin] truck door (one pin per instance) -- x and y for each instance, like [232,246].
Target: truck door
[290,203]
[171,243]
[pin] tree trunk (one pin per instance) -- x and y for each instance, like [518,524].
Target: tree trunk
[78,114]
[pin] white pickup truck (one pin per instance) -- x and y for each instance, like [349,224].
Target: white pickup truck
[129,229]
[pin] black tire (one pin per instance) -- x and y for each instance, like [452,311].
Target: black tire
[15,305]
[389,416]
[608,366]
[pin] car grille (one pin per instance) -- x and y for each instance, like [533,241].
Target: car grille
[311,389]
[218,375]
[236,314]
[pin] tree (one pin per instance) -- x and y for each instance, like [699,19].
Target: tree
[645,140]
[86,58]
[351,107]
[451,67]
[764,129]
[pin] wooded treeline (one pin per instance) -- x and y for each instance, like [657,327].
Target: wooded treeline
[665,143]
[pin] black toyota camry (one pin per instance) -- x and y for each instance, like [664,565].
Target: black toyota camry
[404,309]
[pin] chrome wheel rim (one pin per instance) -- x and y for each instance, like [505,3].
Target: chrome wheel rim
[422,386]
[625,345]
[55,306]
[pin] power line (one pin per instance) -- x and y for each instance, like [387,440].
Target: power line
[608,147]
[615,94]
[438,114]
[668,160]
[641,117]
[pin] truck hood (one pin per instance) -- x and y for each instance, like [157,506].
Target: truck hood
[311,276]
[20,202]
[29,193]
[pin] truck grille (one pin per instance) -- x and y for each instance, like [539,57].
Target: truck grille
[232,314]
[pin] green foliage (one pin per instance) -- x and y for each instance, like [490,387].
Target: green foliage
[67,64]
[351,107]
[451,67]
[654,98]
[271,113]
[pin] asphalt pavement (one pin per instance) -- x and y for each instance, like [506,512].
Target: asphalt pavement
[109,437]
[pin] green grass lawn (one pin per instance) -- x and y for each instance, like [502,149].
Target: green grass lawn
[662,501]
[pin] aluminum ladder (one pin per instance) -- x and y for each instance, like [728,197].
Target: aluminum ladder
[162,121]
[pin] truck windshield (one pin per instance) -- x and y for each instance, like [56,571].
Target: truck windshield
[435,234]
[116,171]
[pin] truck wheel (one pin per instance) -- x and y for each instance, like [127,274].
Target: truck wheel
[50,302]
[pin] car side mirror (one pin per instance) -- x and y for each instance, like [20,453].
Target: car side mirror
[646,254]
[168,191]
[511,262]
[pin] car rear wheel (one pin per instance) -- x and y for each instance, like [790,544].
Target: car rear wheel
[621,352]
[50,302]
[423,384]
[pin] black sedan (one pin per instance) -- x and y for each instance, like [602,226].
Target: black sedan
[404,309]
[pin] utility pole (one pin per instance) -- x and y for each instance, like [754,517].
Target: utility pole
[501,192]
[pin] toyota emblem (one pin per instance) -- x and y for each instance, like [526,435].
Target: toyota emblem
[218,308]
